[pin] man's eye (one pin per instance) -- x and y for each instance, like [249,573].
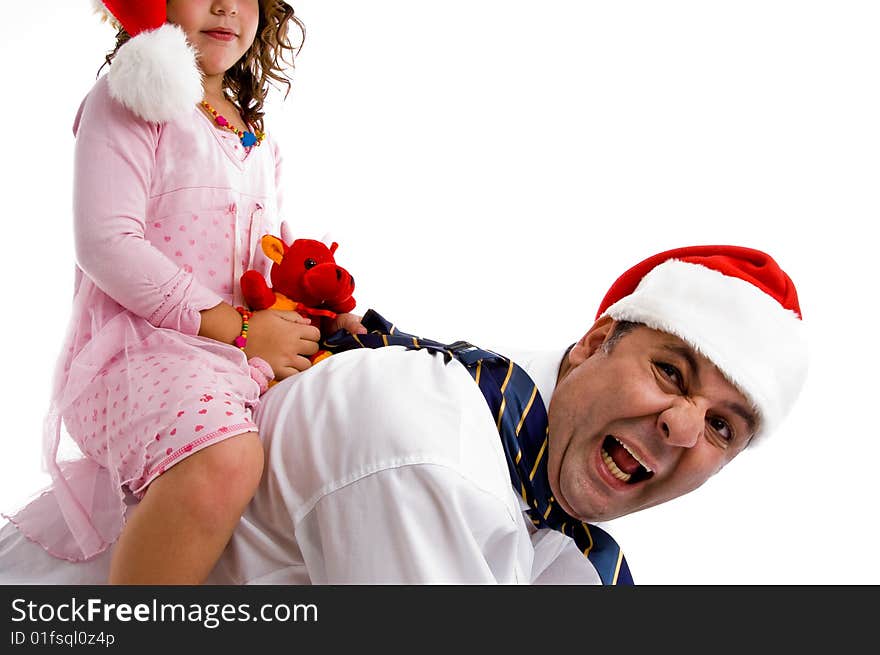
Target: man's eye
[721,428]
[671,372]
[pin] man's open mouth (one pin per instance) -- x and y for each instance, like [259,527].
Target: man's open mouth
[622,462]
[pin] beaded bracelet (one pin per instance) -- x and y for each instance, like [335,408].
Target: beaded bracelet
[241,340]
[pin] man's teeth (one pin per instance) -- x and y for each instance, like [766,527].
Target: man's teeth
[616,472]
[623,476]
[634,456]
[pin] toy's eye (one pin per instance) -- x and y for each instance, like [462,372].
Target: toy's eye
[310,263]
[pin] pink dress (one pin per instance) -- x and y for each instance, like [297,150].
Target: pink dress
[167,217]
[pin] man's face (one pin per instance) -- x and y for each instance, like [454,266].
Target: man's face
[644,423]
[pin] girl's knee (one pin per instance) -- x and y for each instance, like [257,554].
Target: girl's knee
[237,463]
[219,479]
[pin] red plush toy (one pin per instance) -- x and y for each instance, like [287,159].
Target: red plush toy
[305,278]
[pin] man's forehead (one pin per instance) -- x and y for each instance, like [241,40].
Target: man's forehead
[681,347]
[659,338]
[701,364]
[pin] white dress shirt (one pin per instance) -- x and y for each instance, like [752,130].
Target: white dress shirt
[383,467]
[387,468]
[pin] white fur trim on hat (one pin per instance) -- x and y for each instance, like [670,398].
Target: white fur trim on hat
[156,76]
[754,341]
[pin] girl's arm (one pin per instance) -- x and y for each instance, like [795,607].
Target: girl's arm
[114,163]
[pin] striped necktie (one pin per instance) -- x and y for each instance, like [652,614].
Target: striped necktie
[521,420]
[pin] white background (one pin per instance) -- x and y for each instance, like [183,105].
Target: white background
[490,166]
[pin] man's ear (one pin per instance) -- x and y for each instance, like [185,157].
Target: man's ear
[588,344]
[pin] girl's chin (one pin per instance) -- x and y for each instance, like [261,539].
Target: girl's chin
[214,65]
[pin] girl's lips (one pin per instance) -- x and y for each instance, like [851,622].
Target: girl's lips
[220,36]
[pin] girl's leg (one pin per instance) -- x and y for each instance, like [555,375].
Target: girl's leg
[187,515]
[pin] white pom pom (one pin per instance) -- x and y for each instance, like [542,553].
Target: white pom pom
[156,76]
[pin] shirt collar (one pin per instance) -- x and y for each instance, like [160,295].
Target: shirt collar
[542,366]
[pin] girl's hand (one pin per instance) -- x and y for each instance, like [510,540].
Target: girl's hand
[350,322]
[283,339]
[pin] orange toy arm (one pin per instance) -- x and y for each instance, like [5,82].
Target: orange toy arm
[285,303]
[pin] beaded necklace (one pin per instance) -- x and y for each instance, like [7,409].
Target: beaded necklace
[248,139]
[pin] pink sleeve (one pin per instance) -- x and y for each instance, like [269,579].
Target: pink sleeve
[113,166]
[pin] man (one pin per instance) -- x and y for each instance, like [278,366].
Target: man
[434,463]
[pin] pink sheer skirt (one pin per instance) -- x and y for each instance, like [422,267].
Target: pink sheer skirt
[136,400]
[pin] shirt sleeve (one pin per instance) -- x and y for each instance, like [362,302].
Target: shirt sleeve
[113,167]
[417,524]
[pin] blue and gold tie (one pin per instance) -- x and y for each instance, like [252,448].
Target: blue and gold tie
[521,419]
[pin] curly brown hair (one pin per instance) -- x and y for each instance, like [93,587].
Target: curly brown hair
[263,64]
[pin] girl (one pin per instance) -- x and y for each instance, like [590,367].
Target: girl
[175,183]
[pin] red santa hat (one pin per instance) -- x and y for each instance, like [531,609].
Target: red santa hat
[155,73]
[734,305]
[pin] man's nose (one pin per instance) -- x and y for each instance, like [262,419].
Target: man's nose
[682,424]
